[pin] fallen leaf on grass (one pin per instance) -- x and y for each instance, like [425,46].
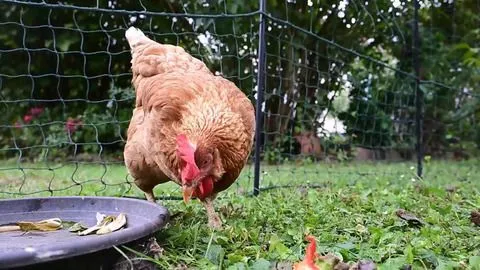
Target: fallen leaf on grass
[341,266]
[364,265]
[154,248]
[332,260]
[283,265]
[475,217]
[180,266]
[176,215]
[409,217]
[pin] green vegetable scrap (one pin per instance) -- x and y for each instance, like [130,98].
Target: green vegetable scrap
[106,224]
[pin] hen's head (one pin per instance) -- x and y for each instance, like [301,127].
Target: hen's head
[199,168]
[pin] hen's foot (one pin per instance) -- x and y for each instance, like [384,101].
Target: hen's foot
[215,222]
[151,198]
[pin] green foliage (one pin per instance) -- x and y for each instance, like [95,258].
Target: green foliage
[68,62]
[382,103]
[351,220]
[76,64]
[352,215]
[90,132]
[452,107]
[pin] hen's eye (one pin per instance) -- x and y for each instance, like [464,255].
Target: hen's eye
[207,160]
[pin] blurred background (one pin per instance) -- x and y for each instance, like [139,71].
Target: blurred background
[350,87]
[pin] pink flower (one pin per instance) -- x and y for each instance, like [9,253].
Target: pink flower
[32,114]
[18,124]
[27,118]
[72,125]
[36,111]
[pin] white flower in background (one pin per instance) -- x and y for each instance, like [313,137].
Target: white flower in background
[329,122]
[331,125]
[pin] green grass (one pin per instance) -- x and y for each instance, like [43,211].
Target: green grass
[351,212]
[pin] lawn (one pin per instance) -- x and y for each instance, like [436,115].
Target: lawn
[350,210]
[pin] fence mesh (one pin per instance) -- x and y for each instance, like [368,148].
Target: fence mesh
[339,96]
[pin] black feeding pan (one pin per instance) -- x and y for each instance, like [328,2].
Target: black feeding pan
[18,249]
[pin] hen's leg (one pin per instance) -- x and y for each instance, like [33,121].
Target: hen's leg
[214,220]
[150,196]
[146,185]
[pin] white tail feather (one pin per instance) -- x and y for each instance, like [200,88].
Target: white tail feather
[134,36]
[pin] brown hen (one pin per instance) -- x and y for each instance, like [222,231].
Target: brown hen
[188,126]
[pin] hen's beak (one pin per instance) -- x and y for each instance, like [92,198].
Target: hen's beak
[187,193]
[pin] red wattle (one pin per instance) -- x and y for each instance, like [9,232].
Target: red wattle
[205,188]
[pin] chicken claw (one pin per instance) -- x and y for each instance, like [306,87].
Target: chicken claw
[214,221]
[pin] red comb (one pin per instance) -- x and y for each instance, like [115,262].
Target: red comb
[186,152]
[182,139]
[184,148]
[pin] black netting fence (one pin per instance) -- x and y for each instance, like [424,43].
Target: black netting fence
[346,89]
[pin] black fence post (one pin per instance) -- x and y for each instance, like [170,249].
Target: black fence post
[419,115]
[259,101]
